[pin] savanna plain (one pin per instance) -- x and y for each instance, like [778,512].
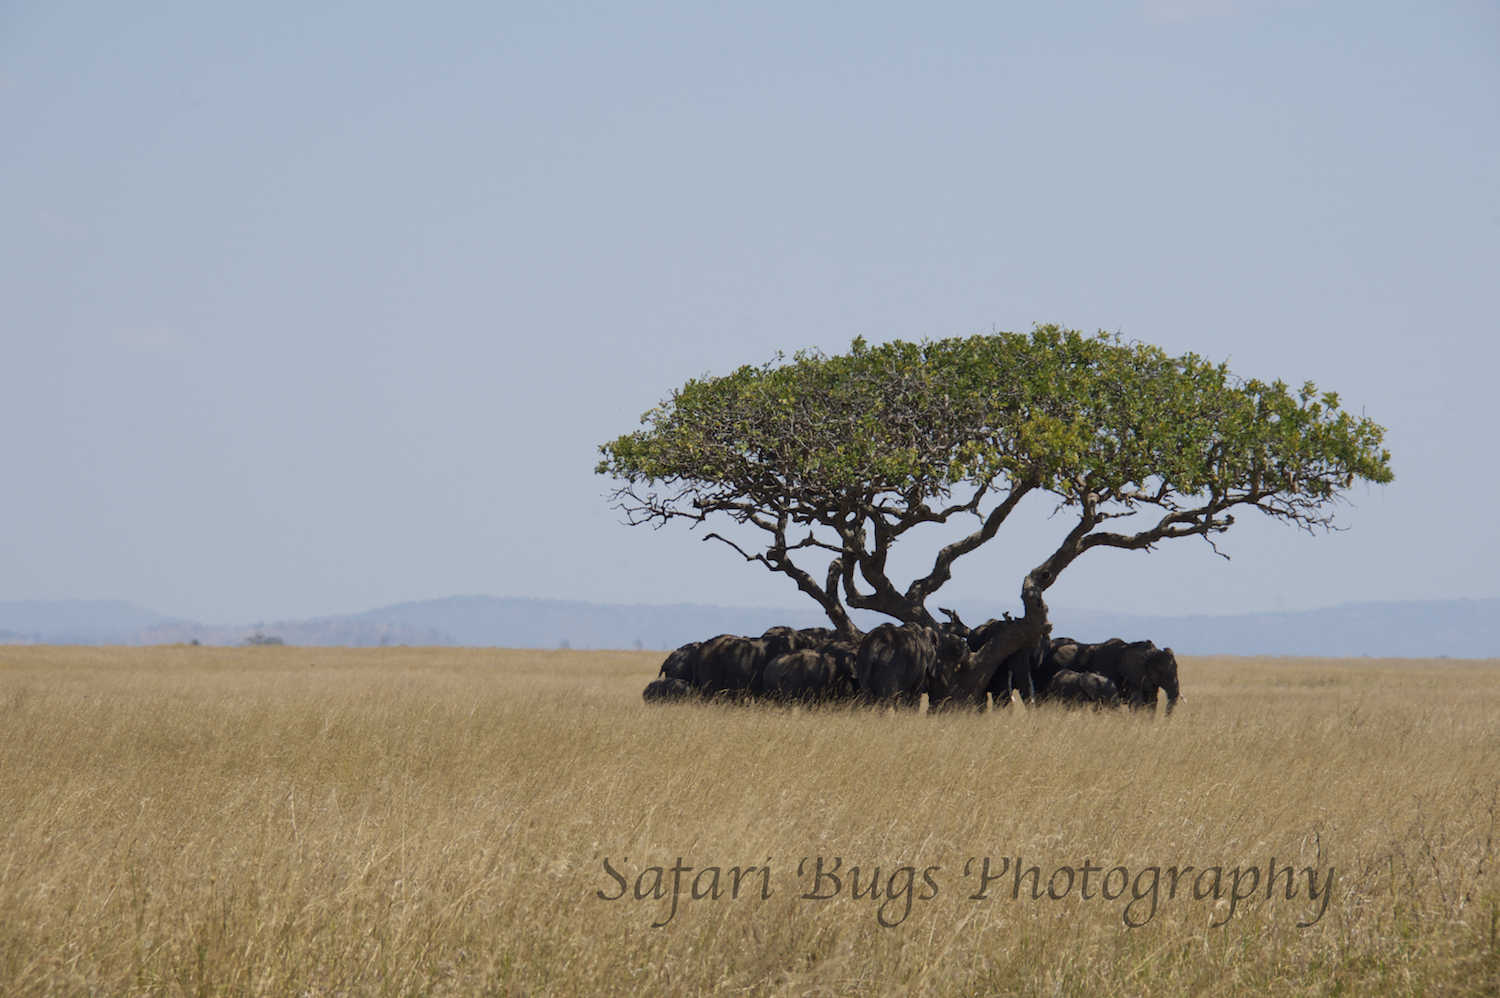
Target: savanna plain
[437,821]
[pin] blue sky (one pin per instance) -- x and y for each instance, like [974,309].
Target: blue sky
[312,308]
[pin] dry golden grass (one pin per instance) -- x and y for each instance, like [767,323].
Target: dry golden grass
[287,821]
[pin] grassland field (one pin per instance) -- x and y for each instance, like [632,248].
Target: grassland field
[437,821]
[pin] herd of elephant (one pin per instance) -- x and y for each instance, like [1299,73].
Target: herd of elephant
[896,665]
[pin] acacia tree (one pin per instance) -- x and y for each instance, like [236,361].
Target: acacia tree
[837,457]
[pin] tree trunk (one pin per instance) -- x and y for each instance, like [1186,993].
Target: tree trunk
[1012,635]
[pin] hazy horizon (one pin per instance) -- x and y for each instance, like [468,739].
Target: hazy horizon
[806,606]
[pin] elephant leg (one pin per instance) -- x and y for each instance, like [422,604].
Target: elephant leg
[1003,697]
[1027,687]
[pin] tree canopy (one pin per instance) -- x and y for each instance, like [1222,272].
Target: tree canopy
[839,456]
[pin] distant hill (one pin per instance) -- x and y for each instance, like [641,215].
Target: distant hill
[115,622]
[74,621]
[1436,629]
[543,623]
[1452,628]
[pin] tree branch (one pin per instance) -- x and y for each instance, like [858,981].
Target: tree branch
[942,567]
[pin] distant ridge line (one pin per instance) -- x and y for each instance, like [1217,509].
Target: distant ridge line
[1462,628]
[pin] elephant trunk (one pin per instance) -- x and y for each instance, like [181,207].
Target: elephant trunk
[1174,691]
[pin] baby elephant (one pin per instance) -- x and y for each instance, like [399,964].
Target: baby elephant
[664,689]
[1081,687]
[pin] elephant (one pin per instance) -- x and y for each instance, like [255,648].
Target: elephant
[1059,654]
[665,689]
[812,674]
[1160,673]
[781,640]
[683,663]
[1138,668]
[816,637]
[729,664]
[1068,686]
[892,664]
